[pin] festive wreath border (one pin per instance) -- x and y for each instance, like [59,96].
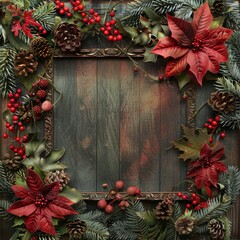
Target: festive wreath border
[34,186]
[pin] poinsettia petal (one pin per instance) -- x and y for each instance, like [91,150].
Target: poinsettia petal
[213,174]
[202,19]
[64,200]
[181,30]
[169,47]
[216,36]
[46,225]
[205,151]
[214,64]
[32,222]
[198,62]
[176,66]
[217,154]
[218,51]
[221,167]
[20,191]
[51,191]
[34,181]
[60,208]
[23,207]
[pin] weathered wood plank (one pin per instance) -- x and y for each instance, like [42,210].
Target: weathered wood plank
[108,121]
[129,124]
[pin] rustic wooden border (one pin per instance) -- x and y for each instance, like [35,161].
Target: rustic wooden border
[118,53]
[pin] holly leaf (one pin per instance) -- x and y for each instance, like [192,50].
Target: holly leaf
[148,56]
[191,144]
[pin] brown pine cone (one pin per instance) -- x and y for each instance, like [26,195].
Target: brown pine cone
[164,210]
[76,228]
[222,102]
[41,47]
[218,8]
[25,63]
[184,225]
[12,162]
[68,37]
[58,176]
[216,229]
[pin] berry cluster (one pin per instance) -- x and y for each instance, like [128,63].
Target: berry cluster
[211,125]
[110,30]
[16,125]
[42,30]
[193,201]
[38,95]
[62,9]
[114,196]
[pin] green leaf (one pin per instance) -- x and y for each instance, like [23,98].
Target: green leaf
[148,56]
[35,148]
[17,222]
[192,143]
[148,217]
[54,156]
[217,22]
[132,31]
[7,116]
[72,194]
[53,167]
[183,79]
[57,21]
[152,14]
[27,236]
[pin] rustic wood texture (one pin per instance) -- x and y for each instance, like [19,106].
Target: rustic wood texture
[116,124]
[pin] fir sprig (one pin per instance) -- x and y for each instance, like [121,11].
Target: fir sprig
[7,74]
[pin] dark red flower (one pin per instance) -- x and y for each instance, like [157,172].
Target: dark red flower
[194,44]
[206,169]
[39,204]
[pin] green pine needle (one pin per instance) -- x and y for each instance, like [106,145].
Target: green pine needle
[96,230]
[7,74]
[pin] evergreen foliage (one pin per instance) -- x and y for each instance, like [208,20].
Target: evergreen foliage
[4,205]
[216,207]
[232,19]
[45,15]
[7,74]
[231,182]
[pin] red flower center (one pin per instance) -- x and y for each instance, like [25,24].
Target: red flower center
[197,44]
[206,162]
[40,201]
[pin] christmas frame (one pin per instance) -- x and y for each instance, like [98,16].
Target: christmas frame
[33,179]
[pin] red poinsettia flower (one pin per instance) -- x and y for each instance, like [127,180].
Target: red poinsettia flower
[39,204]
[206,169]
[194,44]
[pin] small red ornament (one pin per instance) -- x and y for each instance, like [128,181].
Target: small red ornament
[102,203]
[119,184]
[109,209]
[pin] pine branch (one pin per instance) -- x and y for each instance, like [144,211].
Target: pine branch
[226,85]
[137,7]
[96,230]
[93,216]
[227,226]
[4,205]
[232,19]
[45,15]
[231,121]
[7,75]
[231,180]
[36,3]
[216,207]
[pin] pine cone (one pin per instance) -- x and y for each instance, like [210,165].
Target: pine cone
[12,163]
[222,102]
[68,37]
[25,62]
[58,176]
[184,225]
[76,228]
[41,47]
[164,210]
[218,8]
[216,229]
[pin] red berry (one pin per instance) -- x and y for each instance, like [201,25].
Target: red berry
[194,195]
[12,109]
[11,128]
[112,14]
[17,139]
[102,29]
[194,202]
[41,94]
[75,9]
[17,95]
[91,11]
[10,95]
[4,136]
[210,120]
[210,140]
[110,37]
[107,24]
[12,100]
[116,32]
[20,152]
[24,138]
[188,205]
[83,14]
[81,7]
[112,22]
[133,190]
[21,128]
[40,29]
[206,125]
[78,2]
[43,83]
[92,21]
[102,203]
[37,109]
[85,20]
[217,118]
[119,37]
[119,184]
[223,135]
[11,147]
[16,105]
[109,28]
[15,118]
[184,197]
[210,127]
[61,12]
[46,106]
[109,208]
[8,125]
[44,32]
[19,124]
[214,123]
[15,150]
[61,4]
[98,19]
[135,69]
[106,32]
[180,194]
[19,90]
[9,105]
[69,14]
[66,9]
